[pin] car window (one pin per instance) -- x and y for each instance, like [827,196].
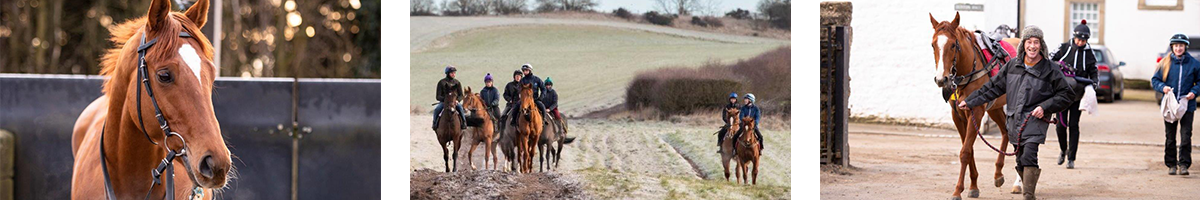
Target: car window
[1100,56]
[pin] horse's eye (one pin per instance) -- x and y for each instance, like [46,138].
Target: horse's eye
[164,76]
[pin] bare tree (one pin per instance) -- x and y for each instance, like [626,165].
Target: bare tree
[464,7]
[423,7]
[504,7]
[687,7]
[565,5]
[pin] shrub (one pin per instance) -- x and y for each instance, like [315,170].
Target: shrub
[713,21]
[624,14]
[739,14]
[660,19]
[698,22]
[679,90]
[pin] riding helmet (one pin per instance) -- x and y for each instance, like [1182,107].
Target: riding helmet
[733,95]
[548,81]
[487,78]
[1180,38]
[517,72]
[1082,31]
[750,97]
[527,66]
[450,68]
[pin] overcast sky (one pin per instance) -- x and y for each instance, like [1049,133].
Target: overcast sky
[640,6]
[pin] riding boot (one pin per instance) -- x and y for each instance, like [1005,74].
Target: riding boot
[462,115]
[1030,179]
[760,138]
[720,139]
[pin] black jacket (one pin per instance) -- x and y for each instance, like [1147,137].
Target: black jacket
[724,115]
[538,86]
[1026,88]
[490,96]
[1082,60]
[447,85]
[511,91]
[550,99]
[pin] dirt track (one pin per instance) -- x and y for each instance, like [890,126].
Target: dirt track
[891,162]
[489,184]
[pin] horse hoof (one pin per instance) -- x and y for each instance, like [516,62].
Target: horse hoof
[973,194]
[1016,190]
[1000,181]
[955,198]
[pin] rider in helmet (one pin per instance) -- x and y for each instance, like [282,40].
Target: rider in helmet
[1078,56]
[750,109]
[490,96]
[444,87]
[538,87]
[551,99]
[721,134]
[512,91]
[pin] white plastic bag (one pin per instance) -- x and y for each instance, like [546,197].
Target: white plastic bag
[1173,108]
[1089,103]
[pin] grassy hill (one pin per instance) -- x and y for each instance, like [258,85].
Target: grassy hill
[591,65]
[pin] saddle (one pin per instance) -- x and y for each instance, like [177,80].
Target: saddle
[996,52]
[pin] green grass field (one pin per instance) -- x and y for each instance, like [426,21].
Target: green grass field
[590,65]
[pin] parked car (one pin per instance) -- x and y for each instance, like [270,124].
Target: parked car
[1192,49]
[1112,82]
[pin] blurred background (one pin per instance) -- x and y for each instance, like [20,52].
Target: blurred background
[254,38]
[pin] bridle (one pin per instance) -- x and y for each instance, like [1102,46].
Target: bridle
[953,80]
[167,163]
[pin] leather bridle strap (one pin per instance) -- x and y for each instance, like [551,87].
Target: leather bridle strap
[167,164]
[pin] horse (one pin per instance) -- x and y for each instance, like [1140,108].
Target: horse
[555,134]
[507,146]
[450,130]
[484,133]
[748,151]
[727,142]
[113,150]
[962,70]
[529,128]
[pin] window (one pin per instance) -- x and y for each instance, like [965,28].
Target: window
[1160,5]
[1090,10]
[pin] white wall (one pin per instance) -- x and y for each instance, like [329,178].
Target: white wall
[1134,36]
[891,61]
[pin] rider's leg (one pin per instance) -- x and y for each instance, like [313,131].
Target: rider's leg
[760,138]
[462,116]
[437,110]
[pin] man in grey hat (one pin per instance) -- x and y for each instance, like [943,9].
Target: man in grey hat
[1035,88]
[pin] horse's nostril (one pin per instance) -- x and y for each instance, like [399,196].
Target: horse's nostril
[206,167]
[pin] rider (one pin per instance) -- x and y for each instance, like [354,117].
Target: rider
[751,110]
[551,99]
[1078,56]
[512,91]
[1034,88]
[721,134]
[538,87]
[1168,80]
[445,86]
[490,96]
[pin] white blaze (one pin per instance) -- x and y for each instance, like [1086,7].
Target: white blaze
[192,59]
[941,43]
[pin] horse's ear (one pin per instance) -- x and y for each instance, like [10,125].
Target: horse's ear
[468,90]
[955,22]
[156,19]
[198,13]
[933,21]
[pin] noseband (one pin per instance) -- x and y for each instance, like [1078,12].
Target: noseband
[950,83]
[166,163]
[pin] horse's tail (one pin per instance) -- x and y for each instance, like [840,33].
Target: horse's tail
[568,140]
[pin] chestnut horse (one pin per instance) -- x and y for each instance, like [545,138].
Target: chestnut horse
[450,130]
[115,154]
[727,143]
[529,128]
[961,69]
[484,133]
[748,151]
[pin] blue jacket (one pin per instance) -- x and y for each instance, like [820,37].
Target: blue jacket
[490,96]
[752,111]
[538,85]
[1191,73]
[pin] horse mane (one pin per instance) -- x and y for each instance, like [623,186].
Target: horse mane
[123,37]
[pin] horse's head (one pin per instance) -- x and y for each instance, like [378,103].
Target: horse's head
[472,102]
[526,96]
[180,72]
[732,113]
[951,53]
[748,125]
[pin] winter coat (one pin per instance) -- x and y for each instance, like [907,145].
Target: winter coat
[550,99]
[511,91]
[1191,74]
[752,111]
[538,86]
[1027,88]
[447,85]
[724,115]
[490,96]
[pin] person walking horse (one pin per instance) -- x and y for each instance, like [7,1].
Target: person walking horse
[446,86]
[1171,79]
[1078,56]
[1034,87]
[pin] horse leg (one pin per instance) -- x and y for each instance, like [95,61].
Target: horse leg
[725,164]
[959,123]
[446,156]
[558,153]
[756,170]
[471,155]
[490,152]
[997,116]
[542,157]
[972,134]
[457,145]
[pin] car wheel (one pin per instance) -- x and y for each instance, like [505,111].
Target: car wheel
[1109,98]
[1118,96]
